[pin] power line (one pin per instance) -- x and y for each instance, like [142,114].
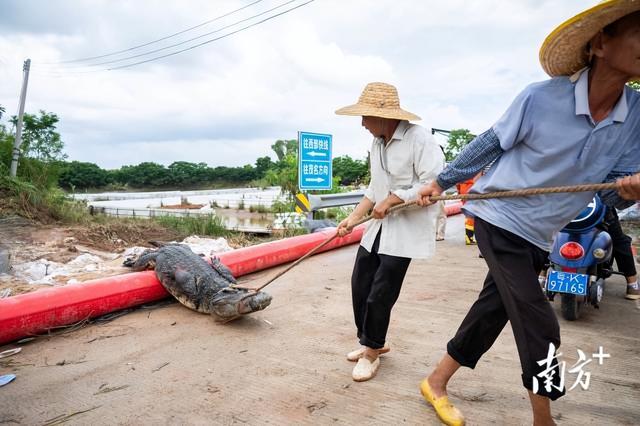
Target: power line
[160,39]
[199,44]
[191,39]
[212,40]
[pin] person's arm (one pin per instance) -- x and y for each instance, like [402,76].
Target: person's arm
[629,187]
[610,197]
[480,152]
[346,226]
[381,208]
[627,192]
[511,129]
[366,204]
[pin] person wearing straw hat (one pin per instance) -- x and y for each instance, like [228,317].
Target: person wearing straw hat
[403,157]
[581,126]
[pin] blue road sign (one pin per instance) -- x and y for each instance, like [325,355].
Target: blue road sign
[314,161]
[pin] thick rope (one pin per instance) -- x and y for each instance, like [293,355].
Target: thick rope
[499,194]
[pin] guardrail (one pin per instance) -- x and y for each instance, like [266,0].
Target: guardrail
[324,201]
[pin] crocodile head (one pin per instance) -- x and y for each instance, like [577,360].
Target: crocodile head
[230,303]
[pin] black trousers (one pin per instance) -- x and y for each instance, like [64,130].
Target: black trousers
[375,287]
[621,244]
[511,293]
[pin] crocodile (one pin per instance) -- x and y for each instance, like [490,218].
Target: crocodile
[198,285]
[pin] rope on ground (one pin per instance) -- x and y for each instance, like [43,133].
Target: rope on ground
[498,194]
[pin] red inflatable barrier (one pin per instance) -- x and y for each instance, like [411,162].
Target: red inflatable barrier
[36,312]
[33,313]
[453,208]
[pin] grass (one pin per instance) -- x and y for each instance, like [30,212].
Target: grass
[259,209]
[209,225]
[334,213]
[43,204]
[288,232]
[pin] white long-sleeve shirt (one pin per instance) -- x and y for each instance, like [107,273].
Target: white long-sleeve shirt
[409,160]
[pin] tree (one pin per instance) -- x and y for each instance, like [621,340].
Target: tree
[285,172]
[458,139]
[145,174]
[83,176]
[6,145]
[285,175]
[349,171]
[40,140]
[183,173]
[6,148]
[635,85]
[284,147]
[40,151]
[262,165]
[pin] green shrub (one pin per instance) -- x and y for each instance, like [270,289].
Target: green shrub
[282,206]
[259,209]
[210,225]
[44,204]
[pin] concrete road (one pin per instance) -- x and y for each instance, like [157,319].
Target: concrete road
[286,365]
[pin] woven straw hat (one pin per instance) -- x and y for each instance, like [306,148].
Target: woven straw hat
[378,100]
[564,51]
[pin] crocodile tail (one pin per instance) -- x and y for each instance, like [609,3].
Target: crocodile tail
[220,268]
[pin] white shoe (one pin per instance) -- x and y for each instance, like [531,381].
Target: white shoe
[365,369]
[353,356]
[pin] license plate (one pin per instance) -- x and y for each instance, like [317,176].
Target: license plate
[567,282]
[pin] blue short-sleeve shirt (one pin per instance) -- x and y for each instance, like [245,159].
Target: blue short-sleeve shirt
[550,139]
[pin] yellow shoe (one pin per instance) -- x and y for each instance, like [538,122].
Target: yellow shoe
[447,413]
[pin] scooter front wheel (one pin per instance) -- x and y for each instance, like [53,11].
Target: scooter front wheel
[570,306]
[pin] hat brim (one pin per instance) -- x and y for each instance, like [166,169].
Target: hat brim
[368,111]
[564,52]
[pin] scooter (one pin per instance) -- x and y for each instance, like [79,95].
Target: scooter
[580,261]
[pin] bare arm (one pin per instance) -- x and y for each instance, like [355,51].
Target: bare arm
[361,209]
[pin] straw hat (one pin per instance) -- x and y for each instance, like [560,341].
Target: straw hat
[378,100]
[564,51]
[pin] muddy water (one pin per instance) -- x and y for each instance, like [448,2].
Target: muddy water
[245,220]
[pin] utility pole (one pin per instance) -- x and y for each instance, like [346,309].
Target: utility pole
[23,97]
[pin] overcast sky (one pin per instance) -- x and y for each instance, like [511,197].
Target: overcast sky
[456,63]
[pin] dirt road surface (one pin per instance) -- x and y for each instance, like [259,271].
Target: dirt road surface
[286,365]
